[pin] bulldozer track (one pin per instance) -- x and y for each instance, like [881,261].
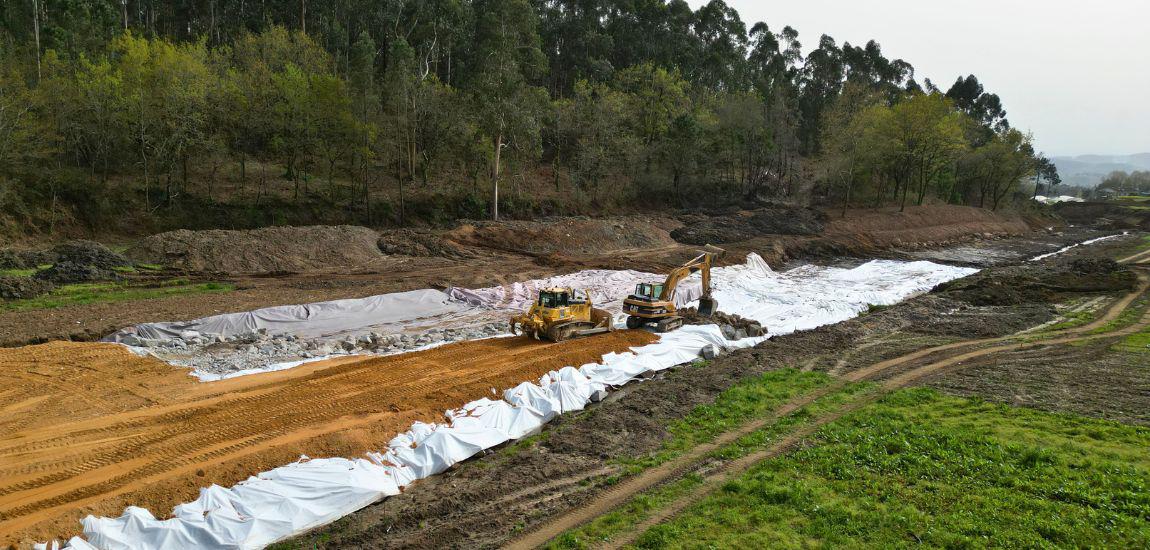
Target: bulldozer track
[902,371]
[154,437]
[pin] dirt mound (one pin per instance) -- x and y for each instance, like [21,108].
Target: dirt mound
[71,272]
[25,259]
[921,226]
[1039,283]
[1104,215]
[741,226]
[10,259]
[568,236]
[420,243]
[271,249]
[88,253]
[21,288]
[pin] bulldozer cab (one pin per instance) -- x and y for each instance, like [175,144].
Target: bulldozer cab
[651,291]
[561,297]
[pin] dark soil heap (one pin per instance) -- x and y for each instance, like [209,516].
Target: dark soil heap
[83,262]
[1040,282]
[419,243]
[25,259]
[22,288]
[267,250]
[741,226]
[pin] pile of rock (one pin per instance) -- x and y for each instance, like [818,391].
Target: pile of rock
[733,326]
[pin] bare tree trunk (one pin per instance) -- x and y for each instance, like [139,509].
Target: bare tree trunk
[124,12]
[303,16]
[495,177]
[36,32]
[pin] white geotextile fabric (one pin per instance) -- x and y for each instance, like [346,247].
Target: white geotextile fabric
[812,296]
[315,320]
[288,500]
[606,287]
[1088,242]
[406,311]
[1058,199]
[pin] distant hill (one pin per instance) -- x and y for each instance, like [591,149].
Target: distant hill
[1089,170]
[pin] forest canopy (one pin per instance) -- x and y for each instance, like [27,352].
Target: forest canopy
[197,113]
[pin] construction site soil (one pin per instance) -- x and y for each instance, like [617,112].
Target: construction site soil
[90,428]
[488,501]
[280,266]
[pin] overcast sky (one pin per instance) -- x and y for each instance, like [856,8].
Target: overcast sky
[1076,73]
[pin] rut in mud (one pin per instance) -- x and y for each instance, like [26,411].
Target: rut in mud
[91,428]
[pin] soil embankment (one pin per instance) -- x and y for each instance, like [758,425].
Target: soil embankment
[312,264]
[268,250]
[90,428]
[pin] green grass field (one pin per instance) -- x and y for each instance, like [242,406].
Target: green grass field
[91,293]
[923,469]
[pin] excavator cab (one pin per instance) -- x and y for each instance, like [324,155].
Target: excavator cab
[648,290]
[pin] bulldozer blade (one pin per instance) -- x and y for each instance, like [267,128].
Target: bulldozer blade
[708,306]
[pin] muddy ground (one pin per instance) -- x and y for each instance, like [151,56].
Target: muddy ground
[485,502]
[280,266]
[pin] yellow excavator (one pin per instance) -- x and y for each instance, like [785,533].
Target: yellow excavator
[655,302]
[560,314]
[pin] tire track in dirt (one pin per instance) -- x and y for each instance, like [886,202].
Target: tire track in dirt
[64,463]
[623,492]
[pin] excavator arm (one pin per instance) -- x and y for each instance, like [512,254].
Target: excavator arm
[702,262]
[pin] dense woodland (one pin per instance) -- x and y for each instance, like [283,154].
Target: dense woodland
[240,112]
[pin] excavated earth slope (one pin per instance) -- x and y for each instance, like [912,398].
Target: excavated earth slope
[91,428]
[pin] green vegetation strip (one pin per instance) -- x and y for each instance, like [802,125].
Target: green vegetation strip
[921,468]
[638,509]
[752,398]
[92,293]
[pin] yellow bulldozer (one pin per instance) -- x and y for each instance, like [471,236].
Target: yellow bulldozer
[654,303]
[560,314]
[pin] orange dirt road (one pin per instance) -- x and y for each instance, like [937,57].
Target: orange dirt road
[91,428]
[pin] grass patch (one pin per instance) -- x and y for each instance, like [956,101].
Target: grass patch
[1128,317]
[1072,319]
[639,508]
[750,398]
[921,468]
[1139,342]
[91,293]
[17,272]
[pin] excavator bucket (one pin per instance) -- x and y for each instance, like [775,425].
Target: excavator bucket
[708,306]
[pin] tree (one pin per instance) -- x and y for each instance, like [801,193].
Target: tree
[509,108]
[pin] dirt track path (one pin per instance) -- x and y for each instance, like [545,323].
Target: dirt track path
[929,361]
[90,428]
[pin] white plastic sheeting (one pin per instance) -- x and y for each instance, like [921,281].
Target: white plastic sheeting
[1065,248]
[811,296]
[404,311]
[314,320]
[606,287]
[288,500]
[1058,199]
